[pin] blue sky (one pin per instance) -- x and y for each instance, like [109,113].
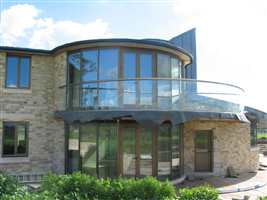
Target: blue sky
[231,34]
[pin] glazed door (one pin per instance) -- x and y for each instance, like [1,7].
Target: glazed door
[128,153]
[135,151]
[203,151]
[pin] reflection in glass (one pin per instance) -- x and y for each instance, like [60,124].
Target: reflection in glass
[108,70]
[94,149]
[175,94]
[146,85]
[107,150]
[74,78]
[176,74]
[164,94]
[89,65]
[24,80]
[201,141]
[164,152]
[73,149]
[164,86]
[146,70]
[129,92]
[163,66]
[88,148]
[108,64]
[176,157]
[9,139]
[12,71]
[129,87]
[89,95]
[146,152]
[21,139]
[129,156]
[108,94]
[175,67]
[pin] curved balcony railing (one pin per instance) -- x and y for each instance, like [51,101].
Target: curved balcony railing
[154,94]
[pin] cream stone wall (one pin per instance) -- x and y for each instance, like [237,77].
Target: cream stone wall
[231,146]
[36,106]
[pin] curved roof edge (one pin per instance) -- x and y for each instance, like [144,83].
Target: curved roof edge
[155,42]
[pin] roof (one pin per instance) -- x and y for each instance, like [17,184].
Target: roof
[155,42]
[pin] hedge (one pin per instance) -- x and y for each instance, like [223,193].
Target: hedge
[82,187]
[200,193]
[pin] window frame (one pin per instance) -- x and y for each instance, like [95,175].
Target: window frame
[20,57]
[15,123]
[120,75]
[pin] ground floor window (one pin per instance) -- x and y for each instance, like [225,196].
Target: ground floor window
[253,133]
[124,148]
[15,136]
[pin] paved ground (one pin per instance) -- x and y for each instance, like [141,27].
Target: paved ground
[243,181]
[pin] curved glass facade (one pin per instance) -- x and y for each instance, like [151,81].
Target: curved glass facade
[113,149]
[138,79]
[119,63]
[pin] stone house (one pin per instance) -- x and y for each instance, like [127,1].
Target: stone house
[119,107]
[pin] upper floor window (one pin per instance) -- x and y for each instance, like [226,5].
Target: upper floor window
[15,136]
[18,72]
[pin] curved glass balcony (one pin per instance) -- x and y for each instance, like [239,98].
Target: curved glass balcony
[154,94]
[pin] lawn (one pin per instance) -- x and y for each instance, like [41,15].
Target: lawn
[261,135]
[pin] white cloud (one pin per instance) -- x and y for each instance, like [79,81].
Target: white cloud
[231,42]
[15,21]
[51,33]
[45,32]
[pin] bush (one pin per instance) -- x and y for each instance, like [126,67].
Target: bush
[199,193]
[24,195]
[82,187]
[79,186]
[8,185]
[263,198]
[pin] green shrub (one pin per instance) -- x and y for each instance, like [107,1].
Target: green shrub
[263,198]
[80,186]
[198,193]
[24,195]
[8,185]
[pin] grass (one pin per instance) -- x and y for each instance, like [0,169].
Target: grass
[261,135]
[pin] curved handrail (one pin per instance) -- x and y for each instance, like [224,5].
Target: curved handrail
[156,78]
[164,93]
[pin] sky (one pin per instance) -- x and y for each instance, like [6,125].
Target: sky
[231,34]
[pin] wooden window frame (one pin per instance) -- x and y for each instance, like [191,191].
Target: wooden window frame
[26,125]
[19,57]
[120,74]
[211,135]
[120,126]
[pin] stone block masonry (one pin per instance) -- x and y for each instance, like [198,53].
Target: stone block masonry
[35,106]
[231,146]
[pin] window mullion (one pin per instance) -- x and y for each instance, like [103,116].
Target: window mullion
[16,140]
[18,79]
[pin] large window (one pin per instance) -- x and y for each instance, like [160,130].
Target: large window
[108,70]
[15,136]
[73,149]
[164,151]
[164,86]
[176,85]
[18,72]
[129,68]
[98,79]
[89,67]
[146,71]
[109,149]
